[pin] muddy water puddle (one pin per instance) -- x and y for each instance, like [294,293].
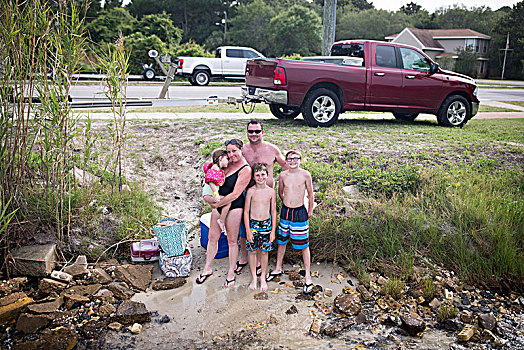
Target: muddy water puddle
[209,316]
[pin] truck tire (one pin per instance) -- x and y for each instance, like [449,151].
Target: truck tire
[201,77]
[284,112]
[321,107]
[455,111]
[149,74]
[408,117]
[191,81]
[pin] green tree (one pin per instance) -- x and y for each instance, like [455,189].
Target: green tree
[411,8]
[106,27]
[363,24]
[467,61]
[138,45]
[250,26]
[162,26]
[512,23]
[296,30]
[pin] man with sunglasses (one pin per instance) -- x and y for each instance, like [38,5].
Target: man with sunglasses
[259,151]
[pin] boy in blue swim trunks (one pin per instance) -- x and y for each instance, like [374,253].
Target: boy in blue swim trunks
[260,217]
[294,218]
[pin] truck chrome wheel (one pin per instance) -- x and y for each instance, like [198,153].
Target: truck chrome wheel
[455,111]
[321,107]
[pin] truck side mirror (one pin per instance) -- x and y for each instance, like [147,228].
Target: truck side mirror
[433,68]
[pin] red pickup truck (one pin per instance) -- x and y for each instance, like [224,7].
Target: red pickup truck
[366,76]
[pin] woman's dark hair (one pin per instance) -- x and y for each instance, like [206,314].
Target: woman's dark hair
[217,154]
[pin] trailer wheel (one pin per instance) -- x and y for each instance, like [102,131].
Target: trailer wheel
[201,77]
[321,108]
[149,74]
[284,112]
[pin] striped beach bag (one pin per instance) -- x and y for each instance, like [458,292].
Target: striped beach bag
[172,236]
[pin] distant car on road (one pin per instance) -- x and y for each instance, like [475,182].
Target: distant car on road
[229,62]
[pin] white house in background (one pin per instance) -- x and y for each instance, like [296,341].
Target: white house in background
[437,43]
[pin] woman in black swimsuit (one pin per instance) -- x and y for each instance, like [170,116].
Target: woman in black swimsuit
[238,175]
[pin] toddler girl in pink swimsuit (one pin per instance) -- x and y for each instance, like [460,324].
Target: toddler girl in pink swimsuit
[215,177]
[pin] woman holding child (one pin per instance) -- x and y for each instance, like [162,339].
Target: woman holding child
[238,175]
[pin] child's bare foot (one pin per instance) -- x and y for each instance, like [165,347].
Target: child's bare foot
[222,226]
[253,285]
[263,284]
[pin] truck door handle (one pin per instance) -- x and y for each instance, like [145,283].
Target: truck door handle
[379,74]
[410,77]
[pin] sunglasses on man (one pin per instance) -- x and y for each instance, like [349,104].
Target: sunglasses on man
[254,131]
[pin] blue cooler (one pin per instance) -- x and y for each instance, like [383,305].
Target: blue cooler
[223,247]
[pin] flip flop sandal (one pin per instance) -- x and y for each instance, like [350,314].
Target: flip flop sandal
[259,270]
[202,278]
[229,283]
[308,288]
[239,267]
[271,276]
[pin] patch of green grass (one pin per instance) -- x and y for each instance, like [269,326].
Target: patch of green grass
[446,311]
[516,103]
[486,108]
[394,287]
[428,289]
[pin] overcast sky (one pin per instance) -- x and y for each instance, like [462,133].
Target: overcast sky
[432,5]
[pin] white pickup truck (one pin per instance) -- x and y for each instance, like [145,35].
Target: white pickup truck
[229,62]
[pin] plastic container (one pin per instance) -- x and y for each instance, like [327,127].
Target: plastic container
[223,247]
[145,250]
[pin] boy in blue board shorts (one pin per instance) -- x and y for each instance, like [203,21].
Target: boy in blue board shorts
[260,217]
[294,218]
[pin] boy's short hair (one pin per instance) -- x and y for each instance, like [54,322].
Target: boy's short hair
[293,152]
[255,122]
[260,167]
[217,154]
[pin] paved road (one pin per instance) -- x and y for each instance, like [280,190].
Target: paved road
[185,93]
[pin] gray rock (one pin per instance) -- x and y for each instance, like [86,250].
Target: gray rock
[120,290]
[137,276]
[163,319]
[106,310]
[292,310]
[169,283]
[105,295]
[78,268]
[46,308]
[61,276]
[130,312]
[412,323]
[99,275]
[361,318]
[35,260]
[348,303]
[487,321]
[364,293]
[47,286]
[11,286]
[28,323]
[338,326]
[12,305]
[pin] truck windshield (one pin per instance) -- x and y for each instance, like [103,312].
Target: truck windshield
[351,50]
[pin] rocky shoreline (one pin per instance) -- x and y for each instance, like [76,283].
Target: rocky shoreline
[82,303]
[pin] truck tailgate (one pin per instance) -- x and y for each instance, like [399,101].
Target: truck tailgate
[260,72]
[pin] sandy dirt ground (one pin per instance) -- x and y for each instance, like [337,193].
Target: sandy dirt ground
[167,162]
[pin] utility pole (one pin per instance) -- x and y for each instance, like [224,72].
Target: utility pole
[328,25]
[506,49]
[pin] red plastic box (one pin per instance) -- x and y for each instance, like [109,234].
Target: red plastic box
[145,250]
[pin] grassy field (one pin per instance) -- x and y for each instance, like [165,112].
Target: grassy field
[453,196]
